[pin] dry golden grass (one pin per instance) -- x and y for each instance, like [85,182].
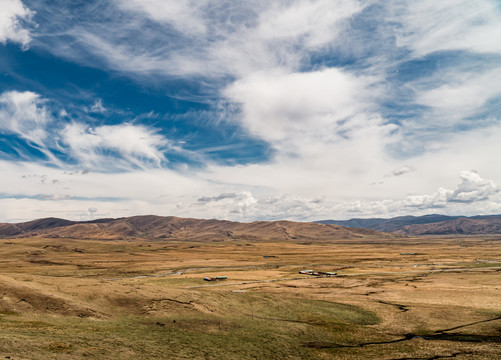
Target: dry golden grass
[66,298]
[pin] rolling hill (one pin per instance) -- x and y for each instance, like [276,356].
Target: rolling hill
[175,228]
[427,224]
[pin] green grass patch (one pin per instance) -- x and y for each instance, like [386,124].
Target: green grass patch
[313,312]
[189,337]
[240,326]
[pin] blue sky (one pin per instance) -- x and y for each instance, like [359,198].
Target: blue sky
[255,110]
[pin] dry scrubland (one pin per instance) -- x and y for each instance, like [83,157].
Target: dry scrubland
[63,298]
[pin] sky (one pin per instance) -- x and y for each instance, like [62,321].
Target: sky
[249,110]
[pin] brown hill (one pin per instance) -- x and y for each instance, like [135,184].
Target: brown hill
[464,226]
[432,224]
[157,227]
[31,226]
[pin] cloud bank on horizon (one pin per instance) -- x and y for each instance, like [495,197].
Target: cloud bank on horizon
[255,110]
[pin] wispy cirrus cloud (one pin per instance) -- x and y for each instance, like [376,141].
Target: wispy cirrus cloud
[184,16]
[121,146]
[430,26]
[98,107]
[200,38]
[114,146]
[24,114]
[460,95]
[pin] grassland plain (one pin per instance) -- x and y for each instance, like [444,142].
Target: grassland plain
[401,298]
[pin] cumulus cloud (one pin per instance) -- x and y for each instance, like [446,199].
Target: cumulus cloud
[228,204]
[12,16]
[318,116]
[244,206]
[278,105]
[435,200]
[473,188]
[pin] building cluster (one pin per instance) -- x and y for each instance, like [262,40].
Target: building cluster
[318,273]
[217,278]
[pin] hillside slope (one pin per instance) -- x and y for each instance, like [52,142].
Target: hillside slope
[428,225]
[170,227]
[465,226]
[391,224]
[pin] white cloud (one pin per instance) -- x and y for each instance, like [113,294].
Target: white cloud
[342,173]
[166,192]
[107,146]
[451,90]
[435,200]
[226,205]
[11,16]
[313,24]
[184,16]
[98,107]
[278,106]
[244,206]
[429,26]
[24,114]
[208,199]
[211,39]
[478,193]
[29,192]
[473,188]
[460,95]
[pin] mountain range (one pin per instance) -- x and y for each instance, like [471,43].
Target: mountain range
[175,228]
[427,225]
